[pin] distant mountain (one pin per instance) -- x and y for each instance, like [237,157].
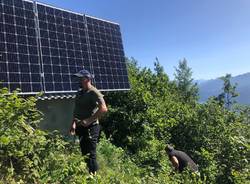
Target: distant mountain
[200,81]
[213,87]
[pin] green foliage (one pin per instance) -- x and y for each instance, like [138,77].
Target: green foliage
[29,155]
[184,80]
[154,113]
[229,92]
[18,141]
[243,111]
[115,165]
[138,117]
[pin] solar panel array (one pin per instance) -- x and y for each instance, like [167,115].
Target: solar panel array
[41,47]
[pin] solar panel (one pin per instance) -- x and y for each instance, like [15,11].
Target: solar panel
[19,58]
[107,54]
[64,47]
[41,47]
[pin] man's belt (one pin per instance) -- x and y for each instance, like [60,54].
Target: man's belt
[79,122]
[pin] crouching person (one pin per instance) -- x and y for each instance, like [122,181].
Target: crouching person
[180,160]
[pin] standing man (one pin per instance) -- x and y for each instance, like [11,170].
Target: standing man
[180,159]
[89,107]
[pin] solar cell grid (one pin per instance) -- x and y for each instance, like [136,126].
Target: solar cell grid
[107,54]
[19,46]
[63,46]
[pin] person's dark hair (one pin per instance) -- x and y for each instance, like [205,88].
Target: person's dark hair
[169,148]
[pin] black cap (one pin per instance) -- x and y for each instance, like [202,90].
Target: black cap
[84,73]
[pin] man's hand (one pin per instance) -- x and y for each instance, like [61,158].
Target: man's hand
[72,128]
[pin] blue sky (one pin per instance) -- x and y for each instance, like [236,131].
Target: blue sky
[213,35]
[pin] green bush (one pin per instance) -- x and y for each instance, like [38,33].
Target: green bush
[29,155]
[154,113]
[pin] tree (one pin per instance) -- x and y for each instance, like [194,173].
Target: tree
[229,92]
[184,80]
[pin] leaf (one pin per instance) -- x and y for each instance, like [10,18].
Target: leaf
[4,140]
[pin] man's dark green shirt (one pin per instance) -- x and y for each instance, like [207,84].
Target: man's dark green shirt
[86,103]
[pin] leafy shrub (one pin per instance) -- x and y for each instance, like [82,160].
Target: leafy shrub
[153,113]
[29,155]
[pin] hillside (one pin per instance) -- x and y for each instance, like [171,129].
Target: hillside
[214,87]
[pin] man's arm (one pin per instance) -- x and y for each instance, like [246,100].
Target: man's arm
[72,127]
[102,108]
[175,162]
